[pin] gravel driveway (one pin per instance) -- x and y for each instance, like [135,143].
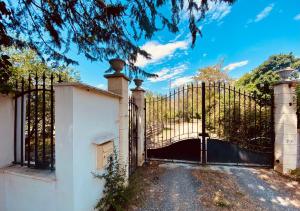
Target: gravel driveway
[193,187]
[175,189]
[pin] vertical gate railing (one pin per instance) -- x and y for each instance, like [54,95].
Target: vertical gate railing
[203,134]
[176,116]
[217,110]
[34,132]
[243,119]
[133,131]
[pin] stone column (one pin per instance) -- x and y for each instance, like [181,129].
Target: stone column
[138,95]
[118,84]
[285,120]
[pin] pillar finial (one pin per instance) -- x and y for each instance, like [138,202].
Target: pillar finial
[138,83]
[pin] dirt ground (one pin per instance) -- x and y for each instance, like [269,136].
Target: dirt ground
[169,186]
[220,191]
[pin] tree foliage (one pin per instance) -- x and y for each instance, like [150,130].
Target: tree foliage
[212,74]
[100,29]
[25,63]
[259,79]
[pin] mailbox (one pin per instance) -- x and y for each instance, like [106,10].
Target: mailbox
[104,144]
[104,153]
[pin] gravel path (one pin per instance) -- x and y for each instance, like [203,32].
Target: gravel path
[269,196]
[176,188]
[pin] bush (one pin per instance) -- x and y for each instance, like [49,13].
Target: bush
[115,194]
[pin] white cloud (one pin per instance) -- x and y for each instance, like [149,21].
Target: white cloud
[159,51]
[181,81]
[101,86]
[235,65]
[217,11]
[264,13]
[168,73]
[297,17]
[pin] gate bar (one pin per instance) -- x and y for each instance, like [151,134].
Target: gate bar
[36,120]
[183,113]
[44,118]
[192,108]
[145,130]
[29,121]
[219,88]
[178,107]
[203,125]
[52,124]
[22,122]
[174,120]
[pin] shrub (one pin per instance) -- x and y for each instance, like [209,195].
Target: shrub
[115,194]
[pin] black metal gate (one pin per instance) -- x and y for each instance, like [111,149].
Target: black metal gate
[210,123]
[133,131]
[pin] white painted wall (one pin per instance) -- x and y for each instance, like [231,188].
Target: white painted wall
[20,188]
[6,130]
[64,133]
[83,115]
[2,193]
[94,115]
[26,191]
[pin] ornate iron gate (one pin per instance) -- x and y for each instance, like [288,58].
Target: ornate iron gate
[210,123]
[132,136]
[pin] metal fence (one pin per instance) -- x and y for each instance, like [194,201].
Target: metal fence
[133,132]
[34,133]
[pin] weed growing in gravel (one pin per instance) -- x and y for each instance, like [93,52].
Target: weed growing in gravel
[219,199]
[295,173]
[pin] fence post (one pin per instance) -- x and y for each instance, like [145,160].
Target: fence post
[118,84]
[285,125]
[7,116]
[138,95]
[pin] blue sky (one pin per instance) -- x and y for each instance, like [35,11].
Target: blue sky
[244,35]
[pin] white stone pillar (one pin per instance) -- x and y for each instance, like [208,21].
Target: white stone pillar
[285,120]
[138,95]
[6,130]
[118,84]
